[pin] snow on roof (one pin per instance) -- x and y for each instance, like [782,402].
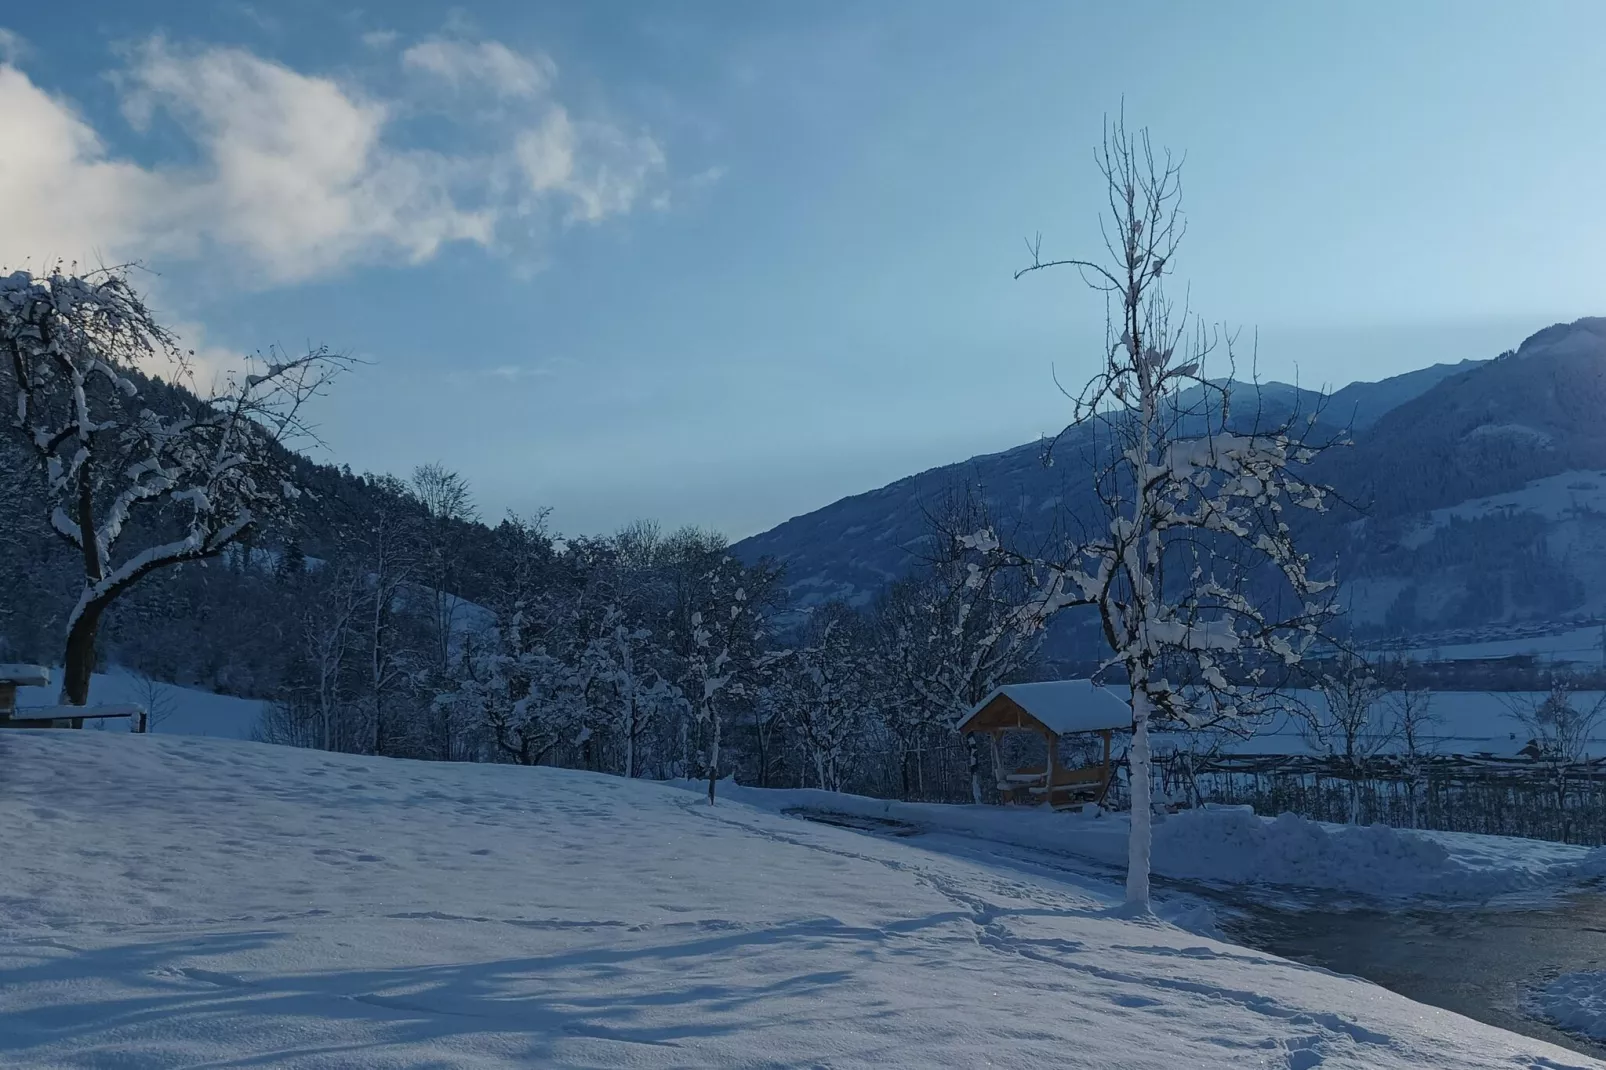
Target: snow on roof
[25,675]
[1065,705]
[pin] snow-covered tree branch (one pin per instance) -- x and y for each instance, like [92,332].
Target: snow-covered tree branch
[192,478]
[1190,562]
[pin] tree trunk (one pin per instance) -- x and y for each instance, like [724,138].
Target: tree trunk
[79,661]
[713,755]
[630,737]
[763,747]
[974,759]
[1137,861]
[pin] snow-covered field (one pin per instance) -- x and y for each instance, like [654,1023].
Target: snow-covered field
[1562,496]
[1231,845]
[173,901]
[1464,722]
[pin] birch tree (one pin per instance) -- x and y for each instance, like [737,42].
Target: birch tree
[1189,559]
[196,476]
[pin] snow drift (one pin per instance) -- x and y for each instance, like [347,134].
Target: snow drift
[1233,845]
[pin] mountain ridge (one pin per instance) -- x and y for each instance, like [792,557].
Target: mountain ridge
[1478,481]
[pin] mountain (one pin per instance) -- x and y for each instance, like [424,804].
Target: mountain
[1479,494]
[853,547]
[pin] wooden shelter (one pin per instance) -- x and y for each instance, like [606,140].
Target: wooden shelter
[1054,709]
[11,716]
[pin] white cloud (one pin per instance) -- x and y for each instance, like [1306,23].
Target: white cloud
[601,169]
[491,64]
[711,176]
[12,46]
[64,198]
[380,40]
[207,367]
[297,176]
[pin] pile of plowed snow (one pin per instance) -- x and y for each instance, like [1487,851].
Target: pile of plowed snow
[1236,846]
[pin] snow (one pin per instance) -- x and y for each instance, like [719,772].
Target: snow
[26,675]
[181,902]
[1575,1002]
[1562,496]
[1232,845]
[1581,644]
[1066,705]
[1464,722]
[190,712]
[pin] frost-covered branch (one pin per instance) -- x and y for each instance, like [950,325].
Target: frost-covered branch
[1191,564]
[113,446]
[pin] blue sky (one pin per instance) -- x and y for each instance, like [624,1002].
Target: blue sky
[726,262]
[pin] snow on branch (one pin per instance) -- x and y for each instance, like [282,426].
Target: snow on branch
[112,443]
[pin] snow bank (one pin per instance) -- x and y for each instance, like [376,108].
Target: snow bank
[1575,1002]
[1232,845]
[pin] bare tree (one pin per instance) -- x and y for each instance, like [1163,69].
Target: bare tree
[157,699]
[1560,734]
[203,473]
[1559,728]
[1189,560]
[1414,721]
[948,643]
[1349,724]
[828,700]
[390,555]
[448,506]
[329,638]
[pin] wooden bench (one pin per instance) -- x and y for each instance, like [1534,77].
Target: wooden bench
[1073,787]
[12,716]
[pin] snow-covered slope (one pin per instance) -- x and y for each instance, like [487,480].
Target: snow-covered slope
[180,711]
[852,547]
[174,902]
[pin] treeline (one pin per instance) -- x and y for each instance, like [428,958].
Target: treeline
[388,619]
[642,653]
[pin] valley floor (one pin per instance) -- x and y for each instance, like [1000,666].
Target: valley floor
[173,902]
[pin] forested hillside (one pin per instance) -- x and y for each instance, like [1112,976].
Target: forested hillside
[1470,496]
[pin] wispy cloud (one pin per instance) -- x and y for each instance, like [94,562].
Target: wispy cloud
[298,175]
[491,64]
[12,47]
[711,176]
[513,373]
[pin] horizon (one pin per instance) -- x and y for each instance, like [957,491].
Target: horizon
[724,265]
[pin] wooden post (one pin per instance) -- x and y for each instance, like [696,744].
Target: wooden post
[998,768]
[1053,743]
